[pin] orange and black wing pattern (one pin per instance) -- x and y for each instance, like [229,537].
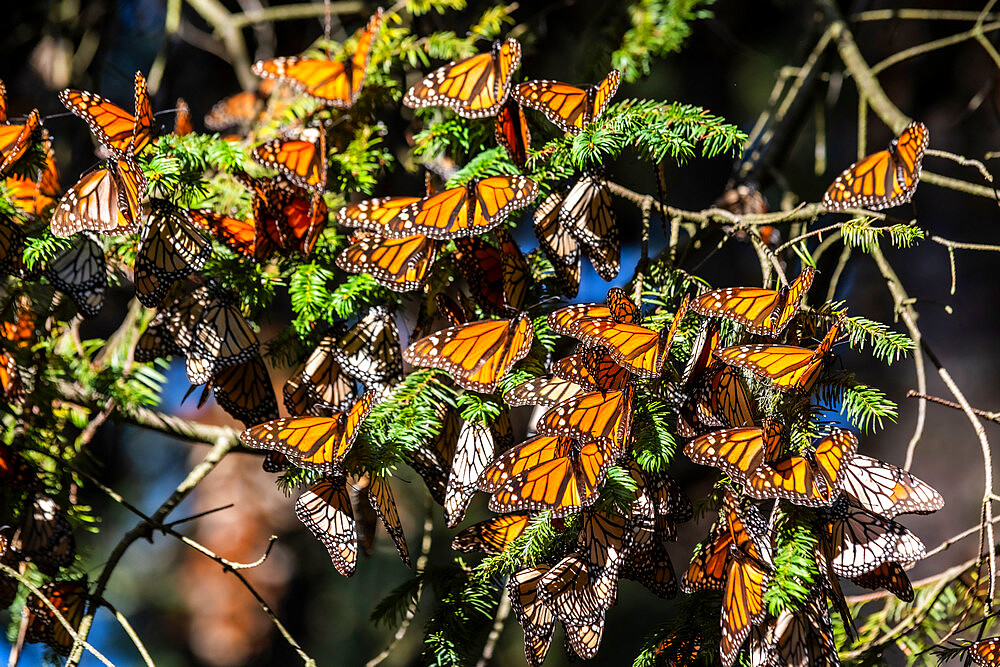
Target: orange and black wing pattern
[16,139]
[568,107]
[760,311]
[105,199]
[302,160]
[398,264]
[123,133]
[986,652]
[547,473]
[493,535]
[884,179]
[477,354]
[319,443]
[474,87]
[334,83]
[511,130]
[787,367]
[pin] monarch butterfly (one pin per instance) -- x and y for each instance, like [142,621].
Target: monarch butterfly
[511,132]
[474,87]
[884,179]
[82,273]
[986,652]
[534,617]
[639,349]
[477,354]
[812,480]
[319,383]
[369,351]
[890,576]
[799,638]
[285,215]
[473,452]
[182,119]
[105,199]
[547,472]
[221,338]
[400,265]
[170,249]
[375,215]
[734,559]
[493,535]
[618,307]
[594,369]
[45,536]
[325,509]
[859,541]
[34,195]
[651,567]
[239,110]
[318,443]
[605,416]
[670,504]
[570,108]
[786,366]
[720,399]
[16,139]
[245,391]
[579,599]
[384,504]
[678,649]
[545,391]
[123,133]
[467,210]
[302,161]
[336,84]
[499,277]
[559,245]
[586,213]
[886,490]
[737,451]
[238,235]
[69,597]
[171,331]
[760,311]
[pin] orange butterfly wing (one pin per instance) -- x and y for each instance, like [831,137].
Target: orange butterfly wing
[884,179]
[16,139]
[511,131]
[334,83]
[477,354]
[474,87]
[300,161]
[397,264]
[568,107]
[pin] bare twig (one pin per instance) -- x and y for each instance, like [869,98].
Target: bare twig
[411,610]
[990,416]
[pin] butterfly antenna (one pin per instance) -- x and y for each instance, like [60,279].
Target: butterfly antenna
[198,515]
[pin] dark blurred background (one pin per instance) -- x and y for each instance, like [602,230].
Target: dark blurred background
[190,613]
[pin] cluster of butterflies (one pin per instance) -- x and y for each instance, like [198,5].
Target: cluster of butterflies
[588,400]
